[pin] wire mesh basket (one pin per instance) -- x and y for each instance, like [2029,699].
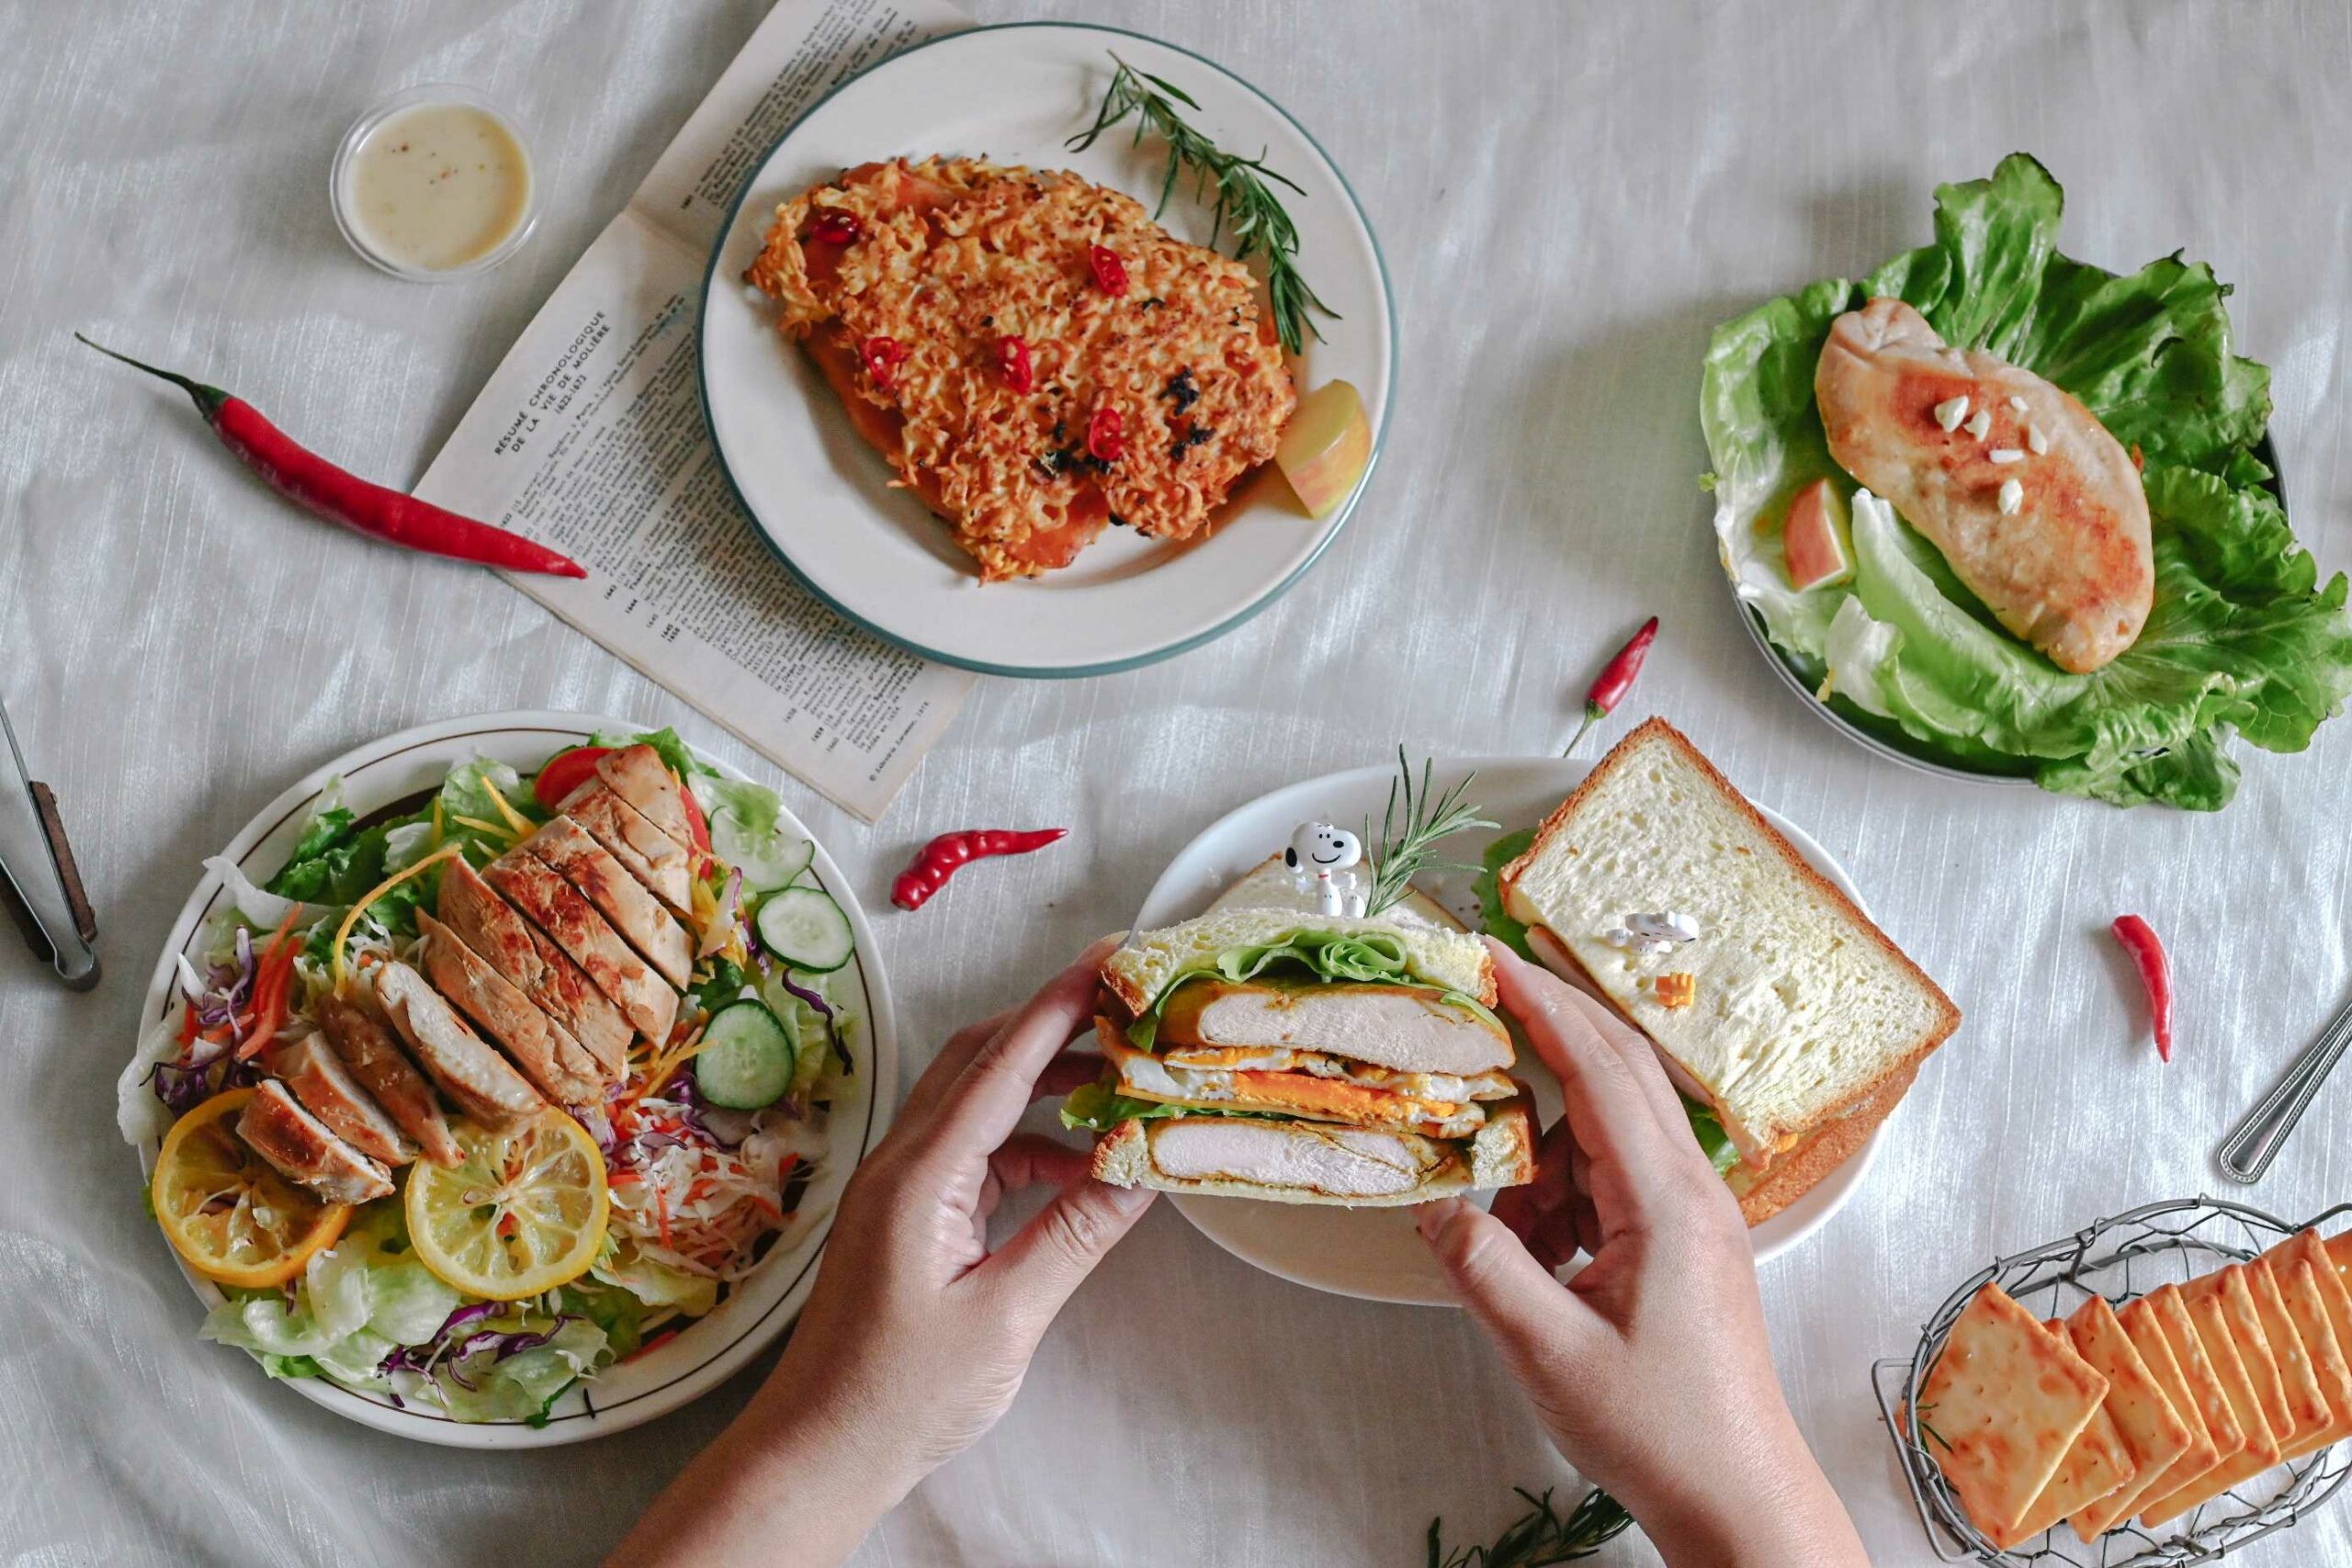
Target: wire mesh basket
[2121,1258]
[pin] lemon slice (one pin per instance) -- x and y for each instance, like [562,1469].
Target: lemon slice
[226,1211]
[522,1213]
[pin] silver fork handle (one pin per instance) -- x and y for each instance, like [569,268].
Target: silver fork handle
[2258,1138]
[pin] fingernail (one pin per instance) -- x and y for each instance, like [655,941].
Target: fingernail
[1431,1218]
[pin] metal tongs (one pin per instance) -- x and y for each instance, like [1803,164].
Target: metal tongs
[39,880]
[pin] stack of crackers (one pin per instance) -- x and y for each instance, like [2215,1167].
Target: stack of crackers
[2186,1392]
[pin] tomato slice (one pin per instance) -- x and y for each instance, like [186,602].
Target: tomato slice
[697,827]
[565,771]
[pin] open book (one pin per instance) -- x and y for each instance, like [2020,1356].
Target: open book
[590,438]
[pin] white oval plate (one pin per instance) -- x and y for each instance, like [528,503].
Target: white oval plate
[1374,1254]
[760,1306]
[823,497]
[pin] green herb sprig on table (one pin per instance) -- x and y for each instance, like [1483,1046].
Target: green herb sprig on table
[1539,1536]
[1408,844]
[1245,203]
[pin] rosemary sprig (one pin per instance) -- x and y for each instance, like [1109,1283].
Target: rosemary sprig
[1539,1536]
[1408,846]
[1245,202]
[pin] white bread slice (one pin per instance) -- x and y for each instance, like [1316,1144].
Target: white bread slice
[1801,1009]
[1282,1161]
[1138,973]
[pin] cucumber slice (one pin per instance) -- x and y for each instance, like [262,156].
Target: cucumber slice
[805,928]
[767,860]
[747,1058]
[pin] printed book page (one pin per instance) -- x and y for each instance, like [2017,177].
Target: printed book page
[590,438]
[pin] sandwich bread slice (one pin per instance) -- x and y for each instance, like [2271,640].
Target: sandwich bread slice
[1771,998]
[1274,1052]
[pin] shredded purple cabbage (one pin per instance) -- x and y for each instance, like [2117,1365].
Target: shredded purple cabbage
[452,1345]
[684,1093]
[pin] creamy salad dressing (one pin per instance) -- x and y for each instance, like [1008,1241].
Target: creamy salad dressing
[437,187]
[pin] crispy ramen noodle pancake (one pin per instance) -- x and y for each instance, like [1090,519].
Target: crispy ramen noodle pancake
[902,281]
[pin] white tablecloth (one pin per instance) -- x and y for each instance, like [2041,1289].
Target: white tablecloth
[1569,198]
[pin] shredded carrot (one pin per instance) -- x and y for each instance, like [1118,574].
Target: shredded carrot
[438,831]
[271,975]
[351,918]
[522,826]
[494,830]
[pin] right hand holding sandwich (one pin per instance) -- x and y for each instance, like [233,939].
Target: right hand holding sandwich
[1650,1369]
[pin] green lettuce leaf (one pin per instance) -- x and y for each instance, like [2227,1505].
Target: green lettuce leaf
[1496,919]
[1705,1126]
[2242,637]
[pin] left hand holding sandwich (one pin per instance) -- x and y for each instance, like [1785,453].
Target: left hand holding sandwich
[917,1336]
[1701,1447]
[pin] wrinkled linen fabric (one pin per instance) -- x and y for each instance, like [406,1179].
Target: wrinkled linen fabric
[1569,197]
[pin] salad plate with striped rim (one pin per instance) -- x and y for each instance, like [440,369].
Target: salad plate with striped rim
[673,1359]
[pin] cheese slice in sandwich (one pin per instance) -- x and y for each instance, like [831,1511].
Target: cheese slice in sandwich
[1280,1053]
[1787,1012]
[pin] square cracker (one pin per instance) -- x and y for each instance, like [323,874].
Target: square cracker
[2216,1325]
[2334,1295]
[2309,1415]
[2190,1397]
[2165,1306]
[2232,1295]
[2299,1294]
[2154,1434]
[2005,1401]
[2097,1465]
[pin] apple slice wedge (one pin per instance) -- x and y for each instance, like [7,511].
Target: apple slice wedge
[1816,540]
[1326,447]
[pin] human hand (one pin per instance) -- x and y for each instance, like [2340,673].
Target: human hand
[916,1337]
[1650,1369]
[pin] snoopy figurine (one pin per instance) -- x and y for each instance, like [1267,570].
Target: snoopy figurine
[1324,860]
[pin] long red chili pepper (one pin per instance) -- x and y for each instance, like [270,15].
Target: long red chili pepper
[938,859]
[1616,678]
[340,496]
[2140,940]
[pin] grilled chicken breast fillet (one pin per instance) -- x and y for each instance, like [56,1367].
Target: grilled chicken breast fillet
[470,1071]
[545,1051]
[1389,1026]
[655,859]
[2036,508]
[364,1044]
[510,945]
[568,850]
[318,1079]
[643,997]
[638,776]
[301,1148]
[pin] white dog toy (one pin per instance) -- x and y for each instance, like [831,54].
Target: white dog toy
[1324,859]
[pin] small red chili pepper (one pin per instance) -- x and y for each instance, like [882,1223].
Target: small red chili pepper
[2140,940]
[835,228]
[340,496]
[1616,678]
[1013,358]
[1110,272]
[939,860]
[883,355]
[1105,439]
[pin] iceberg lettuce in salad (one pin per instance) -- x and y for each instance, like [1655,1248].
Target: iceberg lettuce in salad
[2244,637]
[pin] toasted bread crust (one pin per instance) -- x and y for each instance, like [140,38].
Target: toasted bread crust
[1803,1168]
[1898,1072]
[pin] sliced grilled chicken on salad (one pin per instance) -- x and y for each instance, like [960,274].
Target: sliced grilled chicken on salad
[475,1100]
